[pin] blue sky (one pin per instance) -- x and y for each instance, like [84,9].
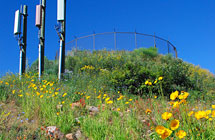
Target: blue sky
[189,25]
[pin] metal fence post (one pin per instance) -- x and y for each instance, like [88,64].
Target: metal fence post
[76,43]
[168,46]
[94,41]
[115,39]
[135,35]
[154,41]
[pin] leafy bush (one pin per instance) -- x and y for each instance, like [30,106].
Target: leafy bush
[125,70]
[50,66]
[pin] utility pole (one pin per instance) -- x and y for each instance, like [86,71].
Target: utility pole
[40,23]
[61,17]
[22,38]
[24,43]
[42,37]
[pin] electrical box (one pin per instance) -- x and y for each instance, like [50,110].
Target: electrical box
[38,15]
[60,10]
[17,23]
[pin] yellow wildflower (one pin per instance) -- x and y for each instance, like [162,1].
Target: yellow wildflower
[13,91]
[200,115]
[213,106]
[87,97]
[110,102]
[190,113]
[99,96]
[176,104]
[146,83]
[208,112]
[160,129]
[166,134]
[108,98]
[120,98]
[166,115]
[126,102]
[64,94]
[160,78]
[20,95]
[213,114]
[148,111]
[41,96]
[174,124]
[174,95]
[181,134]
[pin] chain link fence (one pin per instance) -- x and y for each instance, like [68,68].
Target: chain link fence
[121,41]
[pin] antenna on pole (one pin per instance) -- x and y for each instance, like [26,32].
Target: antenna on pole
[61,18]
[21,39]
[40,23]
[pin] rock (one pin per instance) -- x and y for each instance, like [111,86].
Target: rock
[69,136]
[54,132]
[59,106]
[78,135]
[93,109]
[76,104]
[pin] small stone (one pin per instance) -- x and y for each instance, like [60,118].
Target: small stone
[93,109]
[78,135]
[59,106]
[69,136]
[54,132]
[76,104]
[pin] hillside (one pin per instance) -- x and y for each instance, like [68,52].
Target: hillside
[116,95]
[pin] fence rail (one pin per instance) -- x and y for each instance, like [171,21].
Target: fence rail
[121,41]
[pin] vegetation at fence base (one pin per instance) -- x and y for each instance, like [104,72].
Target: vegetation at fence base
[136,95]
[130,70]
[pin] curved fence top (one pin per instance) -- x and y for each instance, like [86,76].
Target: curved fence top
[121,41]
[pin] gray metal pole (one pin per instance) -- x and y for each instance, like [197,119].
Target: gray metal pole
[94,41]
[135,35]
[24,43]
[168,47]
[76,44]
[115,40]
[39,62]
[60,60]
[42,35]
[20,63]
[154,41]
[62,45]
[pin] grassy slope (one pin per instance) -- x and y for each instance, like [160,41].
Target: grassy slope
[28,105]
